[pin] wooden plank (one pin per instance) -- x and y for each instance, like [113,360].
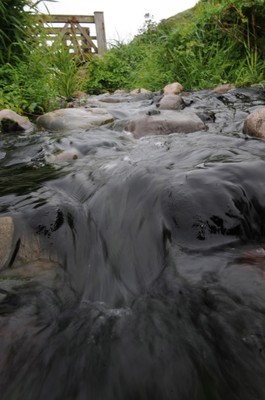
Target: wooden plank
[67,32]
[87,38]
[56,30]
[67,18]
[63,31]
[76,44]
[100,32]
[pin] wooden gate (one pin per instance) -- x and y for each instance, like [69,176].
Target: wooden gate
[75,33]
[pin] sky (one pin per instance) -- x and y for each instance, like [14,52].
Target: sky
[123,19]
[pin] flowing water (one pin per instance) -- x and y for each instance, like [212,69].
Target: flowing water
[136,271]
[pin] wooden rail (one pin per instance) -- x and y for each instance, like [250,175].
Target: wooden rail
[74,32]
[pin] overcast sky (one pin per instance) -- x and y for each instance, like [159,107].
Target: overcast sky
[123,19]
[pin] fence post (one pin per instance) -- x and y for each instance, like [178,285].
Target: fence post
[100,32]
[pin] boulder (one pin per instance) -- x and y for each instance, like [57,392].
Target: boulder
[10,121]
[254,124]
[171,102]
[173,88]
[68,119]
[164,123]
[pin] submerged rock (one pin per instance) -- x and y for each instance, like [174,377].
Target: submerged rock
[69,119]
[254,124]
[64,155]
[164,123]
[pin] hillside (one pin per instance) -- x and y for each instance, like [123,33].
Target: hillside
[183,17]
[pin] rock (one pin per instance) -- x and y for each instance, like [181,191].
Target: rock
[154,111]
[32,270]
[79,100]
[254,124]
[171,102]
[6,239]
[119,91]
[64,155]
[115,98]
[24,249]
[31,250]
[101,101]
[12,122]
[68,119]
[164,123]
[140,90]
[173,88]
[223,88]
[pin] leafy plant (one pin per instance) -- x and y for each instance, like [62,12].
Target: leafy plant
[113,70]
[64,69]
[16,21]
[32,84]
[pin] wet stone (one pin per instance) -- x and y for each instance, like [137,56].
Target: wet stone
[69,119]
[254,124]
[171,102]
[12,122]
[164,123]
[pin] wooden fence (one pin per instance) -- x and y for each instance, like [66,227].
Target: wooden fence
[75,32]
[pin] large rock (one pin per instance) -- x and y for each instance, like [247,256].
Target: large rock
[74,119]
[171,102]
[254,124]
[164,123]
[12,122]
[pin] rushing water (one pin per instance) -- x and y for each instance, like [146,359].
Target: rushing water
[149,278]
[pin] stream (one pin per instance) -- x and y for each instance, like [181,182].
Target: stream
[135,271]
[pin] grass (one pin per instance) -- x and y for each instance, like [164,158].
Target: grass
[217,41]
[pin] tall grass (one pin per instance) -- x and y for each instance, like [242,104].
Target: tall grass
[36,83]
[15,23]
[27,78]
[218,42]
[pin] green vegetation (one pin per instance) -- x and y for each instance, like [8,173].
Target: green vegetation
[217,41]
[33,75]
[13,20]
